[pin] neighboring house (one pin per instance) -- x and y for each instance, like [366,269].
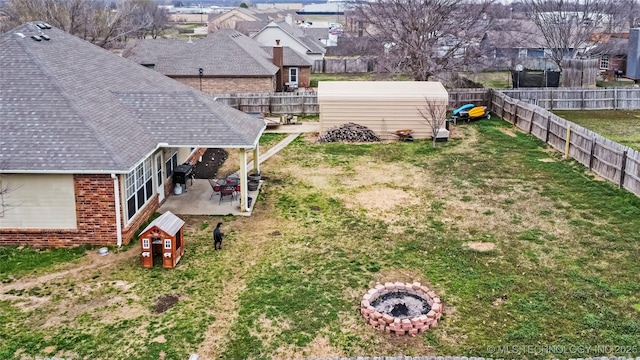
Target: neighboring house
[517,42]
[229,19]
[290,36]
[230,62]
[610,49]
[322,35]
[611,54]
[296,69]
[89,140]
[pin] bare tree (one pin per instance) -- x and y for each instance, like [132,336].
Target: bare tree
[568,28]
[96,21]
[423,38]
[624,14]
[435,114]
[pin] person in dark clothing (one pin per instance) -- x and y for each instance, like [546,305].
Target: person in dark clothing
[217,237]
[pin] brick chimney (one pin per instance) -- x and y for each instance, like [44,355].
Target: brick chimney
[278,60]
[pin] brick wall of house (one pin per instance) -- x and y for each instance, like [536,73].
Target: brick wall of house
[304,75]
[95,213]
[220,85]
[129,231]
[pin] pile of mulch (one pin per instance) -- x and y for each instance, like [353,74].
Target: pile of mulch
[211,162]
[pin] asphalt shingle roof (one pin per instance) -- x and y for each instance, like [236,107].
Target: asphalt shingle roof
[69,106]
[290,56]
[223,53]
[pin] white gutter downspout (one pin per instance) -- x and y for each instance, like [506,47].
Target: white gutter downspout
[116,192]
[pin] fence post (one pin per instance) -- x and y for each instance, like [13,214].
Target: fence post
[615,98]
[593,149]
[515,115]
[582,102]
[623,169]
[567,142]
[533,115]
[546,139]
[551,101]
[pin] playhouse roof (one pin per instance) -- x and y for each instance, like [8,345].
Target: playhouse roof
[167,222]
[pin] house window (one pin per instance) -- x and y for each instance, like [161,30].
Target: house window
[604,62]
[172,162]
[138,187]
[167,243]
[145,243]
[293,75]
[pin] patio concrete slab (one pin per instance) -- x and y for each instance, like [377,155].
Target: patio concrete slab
[195,201]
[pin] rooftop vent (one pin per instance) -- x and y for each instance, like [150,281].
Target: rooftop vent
[46,25]
[45,37]
[36,38]
[20,34]
[41,26]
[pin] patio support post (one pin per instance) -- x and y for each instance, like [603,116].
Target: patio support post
[243,180]
[256,159]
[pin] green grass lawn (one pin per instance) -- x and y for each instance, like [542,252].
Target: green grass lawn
[621,126]
[491,79]
[332,220]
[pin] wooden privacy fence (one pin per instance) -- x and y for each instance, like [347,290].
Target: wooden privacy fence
[306,103]
[610,160]
[579,98]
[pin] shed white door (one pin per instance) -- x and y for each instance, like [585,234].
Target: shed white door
[159,177]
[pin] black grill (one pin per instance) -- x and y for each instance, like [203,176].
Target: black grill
[181,173]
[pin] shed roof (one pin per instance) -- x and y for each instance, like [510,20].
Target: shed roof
[167,222]
[398,90]
[68,106]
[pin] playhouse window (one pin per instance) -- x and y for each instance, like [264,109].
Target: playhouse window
[145,243]
[167,243]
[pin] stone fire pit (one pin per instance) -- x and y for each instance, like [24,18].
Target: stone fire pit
[401,308]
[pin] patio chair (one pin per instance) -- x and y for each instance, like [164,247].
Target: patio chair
[214,187]
[227,190]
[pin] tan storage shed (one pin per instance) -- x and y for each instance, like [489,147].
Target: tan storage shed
[382,106]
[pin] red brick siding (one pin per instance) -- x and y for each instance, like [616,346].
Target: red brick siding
[141,216]
[230,85]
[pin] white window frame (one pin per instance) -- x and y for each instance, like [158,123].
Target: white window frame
[146,243]
[604,62]
[137,189]
[171,162]
[294,74]
[167,243]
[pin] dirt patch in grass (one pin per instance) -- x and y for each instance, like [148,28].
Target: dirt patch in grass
[508,132]
[165,303]
[547,160]
[481,246]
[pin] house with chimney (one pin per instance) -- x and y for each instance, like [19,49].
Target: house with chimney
[224,62]
[291,36]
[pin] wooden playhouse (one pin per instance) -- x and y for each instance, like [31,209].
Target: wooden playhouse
[163,238]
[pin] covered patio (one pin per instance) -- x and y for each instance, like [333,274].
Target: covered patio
[198,200]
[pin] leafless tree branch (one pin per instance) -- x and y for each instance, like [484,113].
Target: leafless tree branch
[434,113]
[424,37]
